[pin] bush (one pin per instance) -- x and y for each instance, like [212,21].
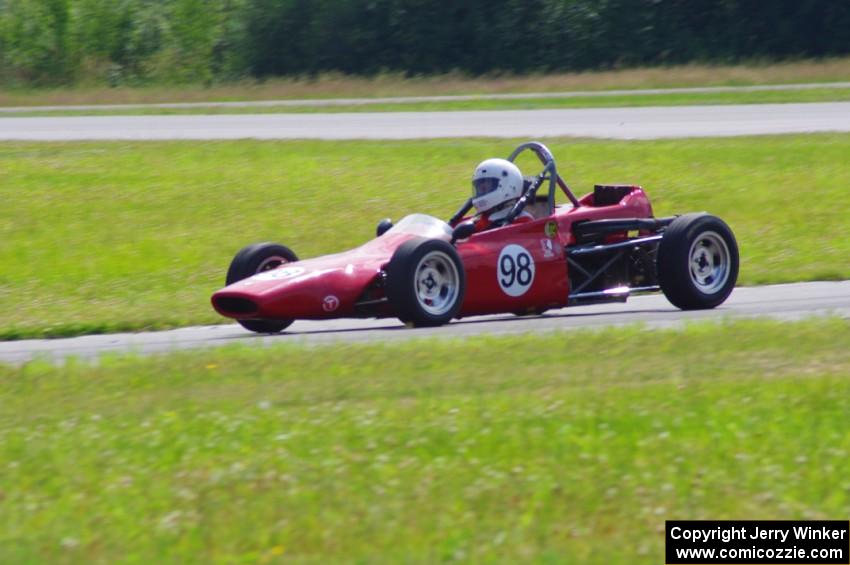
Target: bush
[117,41]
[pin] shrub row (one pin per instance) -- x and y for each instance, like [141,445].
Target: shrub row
[127,41]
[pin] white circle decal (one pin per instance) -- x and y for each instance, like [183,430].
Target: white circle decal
[330,303]
[515,270]
[278,274]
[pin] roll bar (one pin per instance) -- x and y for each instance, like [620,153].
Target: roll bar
[548,162]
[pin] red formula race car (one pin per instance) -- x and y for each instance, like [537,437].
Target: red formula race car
[602,247]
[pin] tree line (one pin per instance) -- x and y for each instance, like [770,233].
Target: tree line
[44,42]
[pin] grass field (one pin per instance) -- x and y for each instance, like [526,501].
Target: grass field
[674,99]
[121,236]
[336,86]
[575,450]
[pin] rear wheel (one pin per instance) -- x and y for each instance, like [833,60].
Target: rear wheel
[426,282]
[697,262]
[254,259]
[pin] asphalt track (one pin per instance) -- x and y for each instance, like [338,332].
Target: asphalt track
[781,302]
[616,123]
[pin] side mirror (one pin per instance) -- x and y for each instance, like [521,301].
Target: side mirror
[383,226]
[463,231]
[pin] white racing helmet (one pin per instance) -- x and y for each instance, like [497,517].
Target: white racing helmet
[494,182]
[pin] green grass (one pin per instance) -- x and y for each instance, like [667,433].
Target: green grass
[676,99]
[101,237]
[333,85]
[575,450]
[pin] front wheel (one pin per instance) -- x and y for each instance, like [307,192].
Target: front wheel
[697,262]
[254,259]
[425,282]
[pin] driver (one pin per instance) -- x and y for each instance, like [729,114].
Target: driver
[496,186]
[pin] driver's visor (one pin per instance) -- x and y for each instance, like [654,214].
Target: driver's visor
[483,186]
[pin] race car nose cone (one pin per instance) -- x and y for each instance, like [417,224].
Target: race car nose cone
[234,305]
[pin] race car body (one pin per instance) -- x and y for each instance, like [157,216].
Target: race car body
[603,247]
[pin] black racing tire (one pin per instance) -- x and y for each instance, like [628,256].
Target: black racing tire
[697,262]
[255,259]
[425,282]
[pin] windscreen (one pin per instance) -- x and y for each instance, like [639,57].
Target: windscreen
[423,225]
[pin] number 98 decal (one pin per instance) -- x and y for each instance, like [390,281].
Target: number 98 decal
[515,270]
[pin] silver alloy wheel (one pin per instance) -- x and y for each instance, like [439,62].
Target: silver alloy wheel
[270,263]
[708,262]
[437,282]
